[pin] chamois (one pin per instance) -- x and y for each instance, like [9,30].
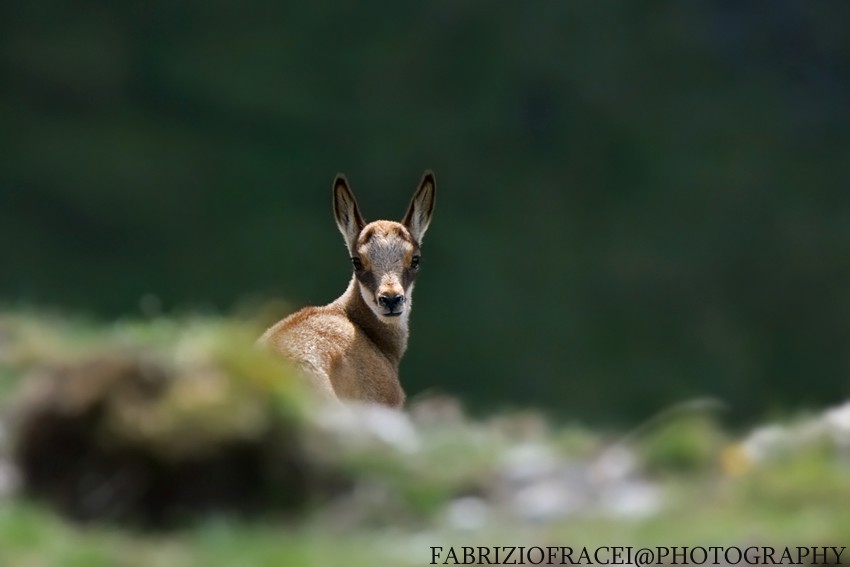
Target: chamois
[350,349]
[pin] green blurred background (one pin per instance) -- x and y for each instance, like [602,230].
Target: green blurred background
[639,203]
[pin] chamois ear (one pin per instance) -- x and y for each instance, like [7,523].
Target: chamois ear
[418,215]
[346,212]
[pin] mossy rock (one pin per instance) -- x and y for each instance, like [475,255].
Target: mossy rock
[154,426]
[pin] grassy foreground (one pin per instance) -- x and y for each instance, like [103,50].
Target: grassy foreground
[456,482]
[30,535]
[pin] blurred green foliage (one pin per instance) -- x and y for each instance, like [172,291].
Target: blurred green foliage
[151,411]
[638,203]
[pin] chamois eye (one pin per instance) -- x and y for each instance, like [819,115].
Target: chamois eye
[414,262]
[358,265]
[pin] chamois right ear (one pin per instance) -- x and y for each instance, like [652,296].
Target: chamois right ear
[346,212]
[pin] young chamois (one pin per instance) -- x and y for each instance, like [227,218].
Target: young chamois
[350,349]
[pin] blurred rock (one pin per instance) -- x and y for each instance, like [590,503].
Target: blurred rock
[528,462]
[837,422]
[436,410]
[633,498]
[358,426]
[145,437]
[830,429]
[467,513]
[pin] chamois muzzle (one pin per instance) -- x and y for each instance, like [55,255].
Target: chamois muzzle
[392,303]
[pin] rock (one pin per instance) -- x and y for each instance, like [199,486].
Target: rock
[141,436]
[359,426]
[467,513]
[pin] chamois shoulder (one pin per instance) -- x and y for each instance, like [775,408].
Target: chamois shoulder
[326,325]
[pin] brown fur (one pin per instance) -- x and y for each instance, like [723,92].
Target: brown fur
[350,349]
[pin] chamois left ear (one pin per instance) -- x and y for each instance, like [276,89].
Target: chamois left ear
[421,208]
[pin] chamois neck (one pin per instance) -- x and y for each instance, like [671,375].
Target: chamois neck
[390,338]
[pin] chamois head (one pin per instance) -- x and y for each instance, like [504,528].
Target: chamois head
[385,254]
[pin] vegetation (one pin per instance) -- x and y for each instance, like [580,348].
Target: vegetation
[373,486]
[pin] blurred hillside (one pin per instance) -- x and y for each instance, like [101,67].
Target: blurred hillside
[637,203]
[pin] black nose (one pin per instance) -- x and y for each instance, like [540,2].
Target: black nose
[391,301]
